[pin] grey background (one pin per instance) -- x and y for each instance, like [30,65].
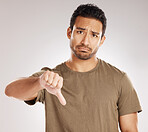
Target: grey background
[33,35]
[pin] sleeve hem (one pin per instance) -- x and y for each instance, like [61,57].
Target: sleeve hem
[31,102]
[134,109]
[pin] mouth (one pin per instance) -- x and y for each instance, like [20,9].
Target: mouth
[82,49]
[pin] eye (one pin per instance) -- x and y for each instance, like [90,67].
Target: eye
[80,32]
[94,35]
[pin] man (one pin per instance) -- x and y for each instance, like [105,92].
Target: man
[95,95]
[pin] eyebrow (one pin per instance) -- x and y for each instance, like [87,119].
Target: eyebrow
[85,29]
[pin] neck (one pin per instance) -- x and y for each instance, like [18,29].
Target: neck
[79,65]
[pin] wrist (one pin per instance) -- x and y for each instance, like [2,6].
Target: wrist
[40,86]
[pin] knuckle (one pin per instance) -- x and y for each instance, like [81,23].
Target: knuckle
[43,76]
[51,72]
[47,72]
[56,75]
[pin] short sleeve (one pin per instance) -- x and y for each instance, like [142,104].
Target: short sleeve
[41,94]
[40,98]
[128,101]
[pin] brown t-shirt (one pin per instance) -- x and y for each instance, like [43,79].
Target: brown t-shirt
[95,99]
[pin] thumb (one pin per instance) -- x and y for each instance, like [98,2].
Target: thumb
[61,98]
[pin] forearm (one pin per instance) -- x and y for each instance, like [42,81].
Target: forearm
[23,88]
[129,123]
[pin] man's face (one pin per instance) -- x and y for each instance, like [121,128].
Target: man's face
[85,39]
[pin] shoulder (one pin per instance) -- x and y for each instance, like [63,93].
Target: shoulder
[110,70]
[58,69]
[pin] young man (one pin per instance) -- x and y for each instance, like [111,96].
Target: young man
[95,95]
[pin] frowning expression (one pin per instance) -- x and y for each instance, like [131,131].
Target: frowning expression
[85,38]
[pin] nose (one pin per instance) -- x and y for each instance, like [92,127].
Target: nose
[85,40]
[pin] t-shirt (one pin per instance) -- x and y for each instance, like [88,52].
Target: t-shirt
[95,99]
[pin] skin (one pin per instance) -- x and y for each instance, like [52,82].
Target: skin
[85,40]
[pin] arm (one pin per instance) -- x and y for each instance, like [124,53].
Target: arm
[24,88]
[27,88]
[128,123]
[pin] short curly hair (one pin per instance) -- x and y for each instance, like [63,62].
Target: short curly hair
[89,11]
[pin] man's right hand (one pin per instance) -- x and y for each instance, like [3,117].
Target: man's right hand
[53,83]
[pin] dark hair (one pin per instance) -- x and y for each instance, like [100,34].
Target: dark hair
[90,11]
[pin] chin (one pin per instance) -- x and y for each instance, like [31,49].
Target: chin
[84,57]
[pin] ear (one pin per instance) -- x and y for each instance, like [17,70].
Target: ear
[69,32]
[102,41]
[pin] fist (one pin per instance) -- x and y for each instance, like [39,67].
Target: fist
[53,83]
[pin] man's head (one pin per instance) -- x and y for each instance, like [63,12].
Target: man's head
[86,31]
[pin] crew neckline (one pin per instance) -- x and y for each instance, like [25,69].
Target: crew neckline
[95,68]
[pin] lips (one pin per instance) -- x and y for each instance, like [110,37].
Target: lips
[83,49]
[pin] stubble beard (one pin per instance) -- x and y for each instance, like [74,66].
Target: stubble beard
[83,55]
